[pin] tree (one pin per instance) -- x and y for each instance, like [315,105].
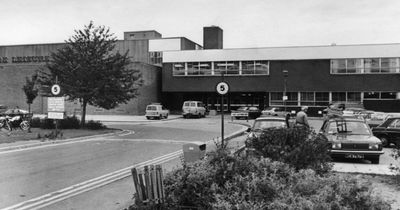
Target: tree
[89,70]
[31,90]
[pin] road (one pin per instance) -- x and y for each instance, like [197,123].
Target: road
[28,174]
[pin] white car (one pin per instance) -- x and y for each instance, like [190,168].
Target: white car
[156,111]
[275,111]
[193,108]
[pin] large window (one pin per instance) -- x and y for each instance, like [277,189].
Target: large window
[379,95]
[230,68]
[365,65]
[307,98]
[338,96]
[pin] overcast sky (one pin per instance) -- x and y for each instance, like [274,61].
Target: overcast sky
[246,23]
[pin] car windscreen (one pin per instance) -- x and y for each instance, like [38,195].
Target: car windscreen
[151,108]
[348,127]
[268,124]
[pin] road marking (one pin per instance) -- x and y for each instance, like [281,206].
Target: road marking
[51,198]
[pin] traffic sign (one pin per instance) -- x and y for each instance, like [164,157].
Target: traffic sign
[55,89]
[55,104]
[222,88]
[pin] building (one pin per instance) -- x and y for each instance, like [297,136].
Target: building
[17,62]
[358,75]
[176,69]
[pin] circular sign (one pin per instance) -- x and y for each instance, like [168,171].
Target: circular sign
[222,88]
[55,89]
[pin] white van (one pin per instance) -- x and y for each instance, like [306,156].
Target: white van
[193,108]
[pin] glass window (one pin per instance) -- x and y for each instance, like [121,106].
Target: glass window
[247,67]
[375,67]
[322,98]
[205,68]
[276,99]
[232,67]
[371,95]
[178,69]
[351,66]
[338,96]
[307,98]
[354,96]
[219,67]
[261,67]
[292,98]
[193,68]
[388,95]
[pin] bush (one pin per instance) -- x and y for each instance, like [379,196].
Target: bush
[301,148]
[69,123]
[94,125]
[224,181]
[35,122]
[47,123]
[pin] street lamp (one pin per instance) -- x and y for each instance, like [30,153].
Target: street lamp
[285,75]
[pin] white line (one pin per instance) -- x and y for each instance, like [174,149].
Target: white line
[65,193]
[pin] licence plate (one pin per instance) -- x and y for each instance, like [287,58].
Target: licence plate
[355,156]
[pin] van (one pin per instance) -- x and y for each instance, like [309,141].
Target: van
[193,108]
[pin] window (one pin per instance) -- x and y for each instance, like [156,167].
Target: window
[205,68]
[371,95]
[365,65]
[353,96]
[322,98]
[292,98]
[276,98]
[307,98]
[219,68]
[178,69]
[388,95]
[193,68]
[247,67]
[261,67]
[232,67]
[338,96]
[395,124]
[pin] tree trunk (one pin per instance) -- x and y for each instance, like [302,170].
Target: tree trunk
[83,117]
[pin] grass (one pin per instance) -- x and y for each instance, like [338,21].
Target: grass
[20,135]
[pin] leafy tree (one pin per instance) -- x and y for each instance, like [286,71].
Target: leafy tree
[31,90]
[89,69]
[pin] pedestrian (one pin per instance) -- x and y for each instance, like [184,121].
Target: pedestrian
[301,117]
[334,111]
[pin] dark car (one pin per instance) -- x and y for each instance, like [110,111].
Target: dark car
[263,123]
[244,112]
[351,137]
[389,131]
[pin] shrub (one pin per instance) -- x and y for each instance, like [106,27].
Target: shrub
[224,181]
[94,125]
[298,147]
[35,122]
[47,123]
[69,123]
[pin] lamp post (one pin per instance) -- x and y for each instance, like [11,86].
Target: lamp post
[285,75]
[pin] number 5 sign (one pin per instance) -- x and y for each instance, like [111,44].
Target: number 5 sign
[222,88]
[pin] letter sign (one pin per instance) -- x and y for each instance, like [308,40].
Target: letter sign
[222,88]
[55,89]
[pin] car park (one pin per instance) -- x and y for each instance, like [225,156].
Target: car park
[193,108]
[156,111]
[352,138]
[389,131]
[275,111]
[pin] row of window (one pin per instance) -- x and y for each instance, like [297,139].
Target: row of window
[220,67]
[324,98]
[365,65]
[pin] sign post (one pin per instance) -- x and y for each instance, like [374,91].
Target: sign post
[222,88]
[55,106]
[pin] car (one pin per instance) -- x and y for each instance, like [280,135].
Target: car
[388,132]
[351,137]
[262,123]
[275,111]
[193,108]
[240,113]
[156,111]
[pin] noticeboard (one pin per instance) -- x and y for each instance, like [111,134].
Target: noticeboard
[55,104]
[55,115]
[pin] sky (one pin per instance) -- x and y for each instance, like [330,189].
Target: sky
[245,23]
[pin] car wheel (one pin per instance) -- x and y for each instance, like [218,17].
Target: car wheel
[374,160]
[148,118]
[384,140]
[166,116]
[24,125]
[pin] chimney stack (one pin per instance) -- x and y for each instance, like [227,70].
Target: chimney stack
[212,37]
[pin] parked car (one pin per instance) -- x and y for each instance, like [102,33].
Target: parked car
[262,123]
[351,137]
[275,111]
[240,113]
[156,111]
[193,108]
[389,131]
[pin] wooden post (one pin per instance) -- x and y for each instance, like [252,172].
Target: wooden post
[148,184]
[138,189]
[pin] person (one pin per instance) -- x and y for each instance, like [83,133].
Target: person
[301,117]
[334,111]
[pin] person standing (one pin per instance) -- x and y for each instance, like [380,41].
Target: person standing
[301,117]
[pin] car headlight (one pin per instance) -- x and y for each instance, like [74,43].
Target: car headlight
[337,146]
[374,146]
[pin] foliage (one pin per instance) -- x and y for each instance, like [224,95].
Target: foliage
[396,155]
[260,183]
[70,122]
[30,89]
[298,147]
[94,125]
[89,69]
